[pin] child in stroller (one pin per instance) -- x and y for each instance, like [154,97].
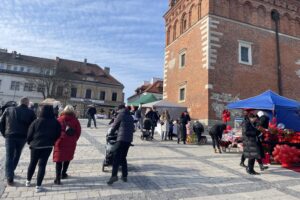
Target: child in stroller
[146,131]
[110,147]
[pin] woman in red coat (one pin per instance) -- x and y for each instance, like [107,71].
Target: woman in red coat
[65,146]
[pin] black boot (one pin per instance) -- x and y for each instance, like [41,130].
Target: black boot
[57,180]
[262,167]
[251,171]
[112,180]
[243,164]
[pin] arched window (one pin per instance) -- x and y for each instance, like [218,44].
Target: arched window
[184,23]
[247,11]
[169,35]
[193,16]
[261,19]
[175,30]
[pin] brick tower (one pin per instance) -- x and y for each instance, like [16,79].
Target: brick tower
[218,51]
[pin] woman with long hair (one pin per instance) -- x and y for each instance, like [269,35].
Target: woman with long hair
[42,134]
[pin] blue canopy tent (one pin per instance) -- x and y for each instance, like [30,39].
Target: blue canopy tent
[287,111]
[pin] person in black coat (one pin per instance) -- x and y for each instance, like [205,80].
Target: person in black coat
[262,124]
[184,120]
[198,128]
[124,124]
[14,124]
[91,112]
[216,133]
[42,135]
[250,142]
[154,117]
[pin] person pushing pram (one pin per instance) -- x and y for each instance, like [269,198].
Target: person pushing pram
[146,130]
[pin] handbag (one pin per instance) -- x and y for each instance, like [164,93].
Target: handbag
[69,130]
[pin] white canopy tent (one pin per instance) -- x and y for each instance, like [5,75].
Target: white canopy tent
[174,109]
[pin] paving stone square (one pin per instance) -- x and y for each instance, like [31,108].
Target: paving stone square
[157,170]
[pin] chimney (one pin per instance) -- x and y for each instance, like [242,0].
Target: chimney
[146,82]
[14,54]
[107,70]
[85,61]
[57,59]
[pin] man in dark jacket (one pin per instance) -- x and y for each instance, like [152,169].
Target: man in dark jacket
[154,117]
[184,120]
[15,122]
[198,129]
[124,124]
[91,112]
[216,133]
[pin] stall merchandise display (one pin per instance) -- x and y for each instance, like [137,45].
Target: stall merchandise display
[286,155]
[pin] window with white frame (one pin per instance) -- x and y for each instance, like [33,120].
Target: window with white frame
[41,88]
[15,85]
[28,87]
[245,52]
[2,66]
[182,93]
[8,67]
[182,59]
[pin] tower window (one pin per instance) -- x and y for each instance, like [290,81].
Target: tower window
[245,53]
[182,58]
[182,94]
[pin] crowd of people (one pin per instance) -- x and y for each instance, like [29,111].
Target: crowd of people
[47,132]
[59,132]
[181,127]
[255,123]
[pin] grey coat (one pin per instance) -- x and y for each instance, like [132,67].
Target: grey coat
[124,124]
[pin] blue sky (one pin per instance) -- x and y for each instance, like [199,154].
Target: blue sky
[126,35]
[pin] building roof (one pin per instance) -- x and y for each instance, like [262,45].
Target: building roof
[156,87]
[73,69]
[18,59]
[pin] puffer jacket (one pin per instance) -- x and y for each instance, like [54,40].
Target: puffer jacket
[15,121]
[124,124]
[43,132]
[250,140]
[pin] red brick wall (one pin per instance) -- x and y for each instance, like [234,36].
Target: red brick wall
[228,22]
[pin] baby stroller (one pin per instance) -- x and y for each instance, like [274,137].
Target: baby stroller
[109,150]
[146,131]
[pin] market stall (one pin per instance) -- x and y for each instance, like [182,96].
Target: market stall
[174,110]
[284,128]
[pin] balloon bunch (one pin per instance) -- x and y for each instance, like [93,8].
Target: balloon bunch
[228,129]
[296,138]
[286,155]
[226,116]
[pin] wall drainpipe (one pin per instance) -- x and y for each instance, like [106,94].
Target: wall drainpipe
[276,18]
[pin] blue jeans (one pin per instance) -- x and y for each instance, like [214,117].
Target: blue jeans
[14,148]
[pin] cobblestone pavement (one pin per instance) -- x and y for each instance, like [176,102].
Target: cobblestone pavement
[157,170]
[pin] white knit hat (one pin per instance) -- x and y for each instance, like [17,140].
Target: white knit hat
[260,113]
